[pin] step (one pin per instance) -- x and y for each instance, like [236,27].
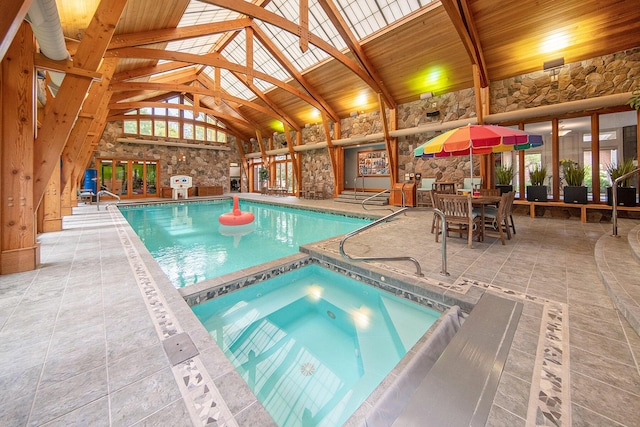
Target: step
[359,201]
[618,265]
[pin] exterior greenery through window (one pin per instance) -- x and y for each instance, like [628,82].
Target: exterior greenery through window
[176,123]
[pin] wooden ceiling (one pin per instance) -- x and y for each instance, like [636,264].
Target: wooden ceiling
[433,49]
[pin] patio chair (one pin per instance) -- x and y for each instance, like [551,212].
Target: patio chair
[470,185]
[459,216]
[498,217]
[435,223]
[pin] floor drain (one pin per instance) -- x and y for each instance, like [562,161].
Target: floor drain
[307,369]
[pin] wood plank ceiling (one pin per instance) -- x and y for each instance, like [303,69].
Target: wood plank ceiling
[431,49]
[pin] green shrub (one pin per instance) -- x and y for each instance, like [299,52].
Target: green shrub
[616,171]
[537,175]
[573,173]
[504,174]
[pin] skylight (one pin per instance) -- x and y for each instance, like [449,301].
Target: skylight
[364,17]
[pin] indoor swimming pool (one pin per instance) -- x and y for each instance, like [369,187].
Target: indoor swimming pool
[191,245]
[312,344]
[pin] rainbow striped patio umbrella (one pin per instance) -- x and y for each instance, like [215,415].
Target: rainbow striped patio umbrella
[477,139]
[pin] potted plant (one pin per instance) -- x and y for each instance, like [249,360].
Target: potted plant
[263,176]
[573,173]
[504,176]
[625,195]
[537,192]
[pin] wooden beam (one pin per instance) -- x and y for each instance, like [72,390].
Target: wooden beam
[167,87]
[391,144]
[173,34]
[595,157]
[149,71]
[18,248]
[64,66]
[294,160]
[13,13]
[57,125]
[304,25]
[92,109]
[332,152]
[464,24]
[213,60]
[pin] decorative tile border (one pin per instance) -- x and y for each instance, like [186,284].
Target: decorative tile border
[202,398]
[549,399]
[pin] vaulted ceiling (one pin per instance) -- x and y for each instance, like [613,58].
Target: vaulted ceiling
[259,64]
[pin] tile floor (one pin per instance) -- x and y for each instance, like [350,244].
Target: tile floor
[82,336]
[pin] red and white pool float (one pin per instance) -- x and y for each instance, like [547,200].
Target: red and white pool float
[236,216]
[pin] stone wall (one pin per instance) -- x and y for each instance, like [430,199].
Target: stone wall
[605,75]
[206,167]
[616,73]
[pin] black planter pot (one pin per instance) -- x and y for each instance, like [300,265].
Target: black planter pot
[575,195]
[537,193]
[504,188]
[626,196]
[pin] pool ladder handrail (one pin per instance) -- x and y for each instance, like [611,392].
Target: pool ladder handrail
[614,201]
[108,193]
[398,258]
[364,202]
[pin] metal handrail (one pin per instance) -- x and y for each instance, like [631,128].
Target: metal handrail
[373,224]
[372,197]
[103,192]
[614,192]
[438,212]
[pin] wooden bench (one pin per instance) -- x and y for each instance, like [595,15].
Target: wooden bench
[583,208]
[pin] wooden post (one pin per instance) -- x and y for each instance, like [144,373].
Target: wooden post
[19,249]
[51,206]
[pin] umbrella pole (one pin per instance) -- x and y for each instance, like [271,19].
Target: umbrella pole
[471,167]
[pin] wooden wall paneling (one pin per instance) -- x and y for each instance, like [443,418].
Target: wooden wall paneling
[57,126]
[20,251]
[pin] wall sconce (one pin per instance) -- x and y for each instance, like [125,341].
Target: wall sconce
[426,95]
[553,67]
[563,132]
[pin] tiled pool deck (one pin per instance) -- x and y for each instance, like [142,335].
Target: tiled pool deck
[82,336]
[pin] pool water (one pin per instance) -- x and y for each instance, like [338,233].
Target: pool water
[191,245]
[312,344]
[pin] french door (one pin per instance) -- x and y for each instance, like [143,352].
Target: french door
[128,178]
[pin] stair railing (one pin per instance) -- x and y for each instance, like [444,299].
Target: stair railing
[614,192]
[373,197]
[373,224]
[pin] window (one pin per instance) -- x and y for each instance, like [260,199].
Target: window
[152,121]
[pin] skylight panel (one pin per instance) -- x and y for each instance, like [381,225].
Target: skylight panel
[203,13]
[234,86]
[235,51]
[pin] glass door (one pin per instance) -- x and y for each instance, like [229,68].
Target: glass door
[120,182]
[151,176]
[129,178]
